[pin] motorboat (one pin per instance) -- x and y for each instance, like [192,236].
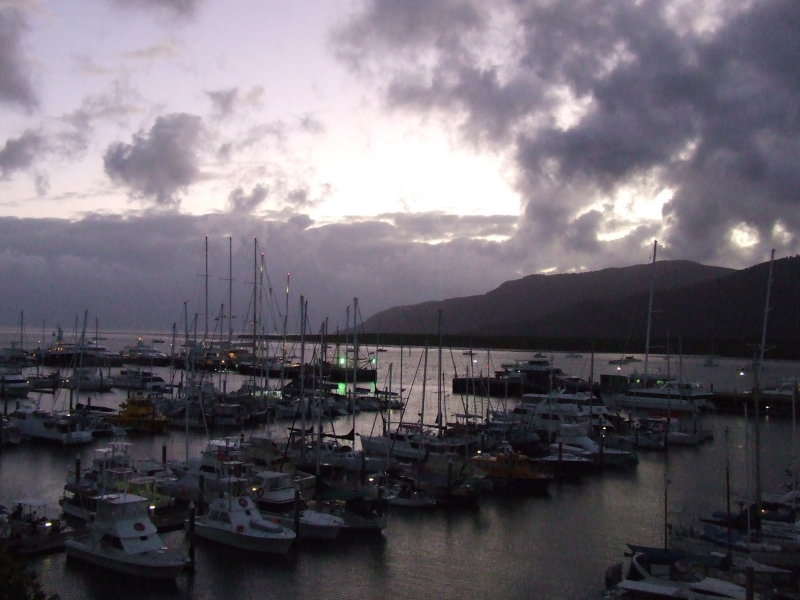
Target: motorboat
[142,353]
[414,441]
[659,573]
[509,470]
[122,538]
[625,360]
[79,354]
[547,414]
[140,380]
[575,441]
[273,491]
[308,523]
[139,413]
[10,435]
[113,470]
[49,426]
[600,418]
[332,452]
[233,519]
[406,492]
[664,396]
[88,379]
[12,383]
[29,529]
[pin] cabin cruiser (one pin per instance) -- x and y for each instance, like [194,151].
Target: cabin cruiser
[122,538]
[139,380]
[87,379]
[12,383]
[233,519]
[144,354]
[50,426]
[665,396]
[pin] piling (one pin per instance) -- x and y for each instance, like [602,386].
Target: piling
[297,511]
[190,533]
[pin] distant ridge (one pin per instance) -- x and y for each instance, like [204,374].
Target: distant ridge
[703,308]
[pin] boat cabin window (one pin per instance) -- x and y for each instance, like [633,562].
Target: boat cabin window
[222,517]
[113,541]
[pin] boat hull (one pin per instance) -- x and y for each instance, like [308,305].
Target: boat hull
[152,565]
[277,544]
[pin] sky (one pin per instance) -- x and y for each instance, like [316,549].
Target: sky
[174,163]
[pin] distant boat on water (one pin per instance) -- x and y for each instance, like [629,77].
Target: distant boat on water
[625,360]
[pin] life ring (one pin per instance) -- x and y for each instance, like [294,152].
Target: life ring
[138,526]
[260,492]
[239,528]
[242,502]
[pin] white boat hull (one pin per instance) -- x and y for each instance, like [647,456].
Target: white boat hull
[163,564]
[253,540]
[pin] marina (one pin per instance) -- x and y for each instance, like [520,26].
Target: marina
[555,542]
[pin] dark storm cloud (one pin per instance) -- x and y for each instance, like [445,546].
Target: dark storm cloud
[20,153]
[160,163]
[241,202]
[139,271]
[711,113]
[15,84]
[412,25]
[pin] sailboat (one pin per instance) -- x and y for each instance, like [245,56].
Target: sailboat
[658,393]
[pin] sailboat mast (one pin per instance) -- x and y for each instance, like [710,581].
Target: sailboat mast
[757,393]
[355,359]
[649,314]
[255,311]
[439,418]
[205,332]
[230,291]
[303,399]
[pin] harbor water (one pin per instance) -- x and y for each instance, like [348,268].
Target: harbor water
[555,546]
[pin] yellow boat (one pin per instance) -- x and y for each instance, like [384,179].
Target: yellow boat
[139,413]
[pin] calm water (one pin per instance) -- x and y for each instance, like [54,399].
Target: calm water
[554,547]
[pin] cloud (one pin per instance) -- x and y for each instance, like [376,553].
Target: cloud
[176,8]
[20,153]
[138,271]
[16,88]
[586,101]
[160,163]
[224,101]
[239,202]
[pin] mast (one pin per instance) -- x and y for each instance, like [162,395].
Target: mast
[439,419]
[255,313]
[355,359]
[230,291]
[757,394]
[303,399]
[649,314]
[424,382]
[285,322]
[205,333]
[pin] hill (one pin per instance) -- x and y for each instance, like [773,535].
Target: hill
[701,308]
